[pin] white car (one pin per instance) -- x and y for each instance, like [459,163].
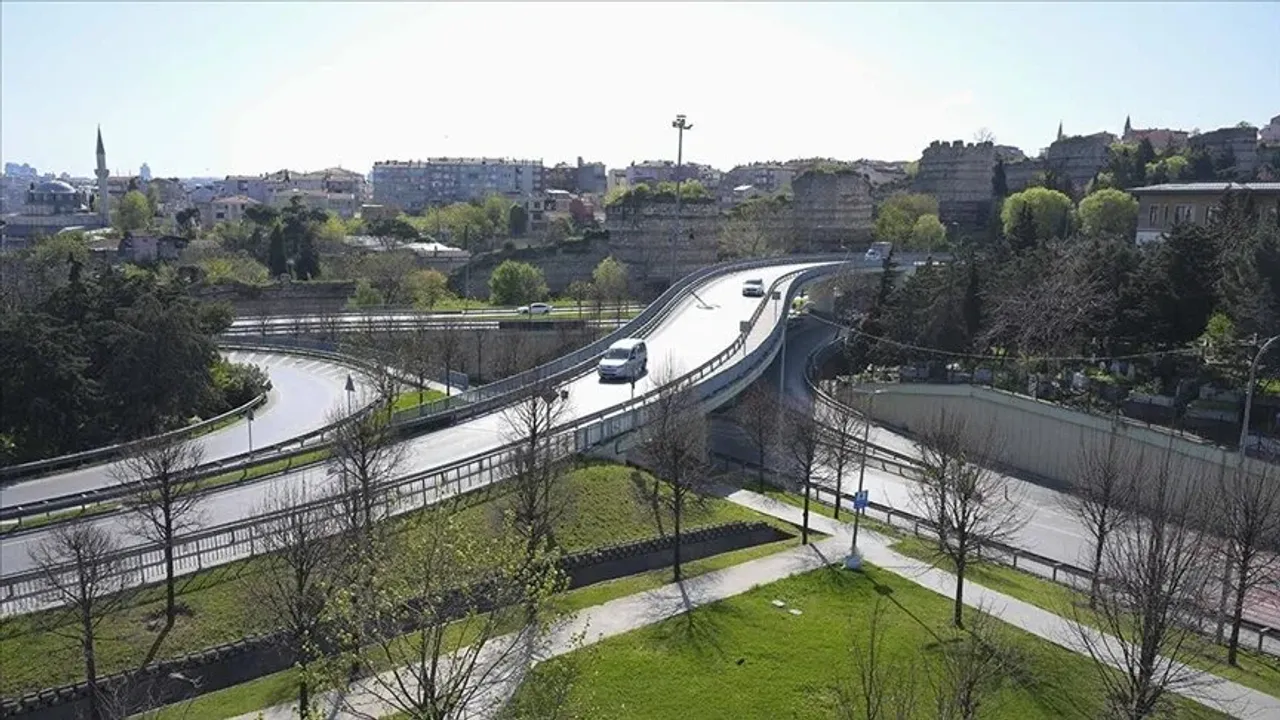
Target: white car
[534,309]
[753,288]
[624,360]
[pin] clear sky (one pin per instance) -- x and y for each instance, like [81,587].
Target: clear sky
[212,89]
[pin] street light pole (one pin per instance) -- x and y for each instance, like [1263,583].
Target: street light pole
[862,469]
[351,389]
[681,124]
[249,416]
[1248,394]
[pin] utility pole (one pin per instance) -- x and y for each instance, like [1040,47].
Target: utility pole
[681,124]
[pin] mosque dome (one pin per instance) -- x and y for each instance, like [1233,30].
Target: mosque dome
[55,187]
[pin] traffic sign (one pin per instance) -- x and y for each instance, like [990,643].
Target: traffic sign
[861,499]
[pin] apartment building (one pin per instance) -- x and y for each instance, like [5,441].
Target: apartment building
[583,178]
[1160,207]
[264,188]
[227,210]
[414,185]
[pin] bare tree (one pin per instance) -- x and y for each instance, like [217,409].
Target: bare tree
[674,445]
[1149,610]
[984,135]
[419,359]
[79,566]
[801,439]
[1100,497]
[448,351]
[1249,522]
[842,443]
[163,500]
[456,629]
[539,498]
[876,688]
[757,413]
[300,568]
[363,458]
[973,669]
[968,504]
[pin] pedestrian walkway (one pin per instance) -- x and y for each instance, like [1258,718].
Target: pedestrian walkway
[629,613]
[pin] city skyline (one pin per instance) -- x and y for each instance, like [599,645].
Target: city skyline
[554,82]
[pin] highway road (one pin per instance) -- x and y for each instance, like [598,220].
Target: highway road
[303,392]
[251,323]
[698,328]
[1052,529]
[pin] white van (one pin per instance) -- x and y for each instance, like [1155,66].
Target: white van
[624,360]
[879,251]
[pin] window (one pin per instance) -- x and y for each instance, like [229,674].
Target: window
[1153,216]
[1212,212]
[1183,213]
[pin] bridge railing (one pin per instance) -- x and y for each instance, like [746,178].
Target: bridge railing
[107,452]
[28,591]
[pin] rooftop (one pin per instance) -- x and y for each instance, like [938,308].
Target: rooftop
[237,200]
[1205,188]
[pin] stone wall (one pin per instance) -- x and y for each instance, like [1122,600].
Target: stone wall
[255,656]
[1019,175]
[562,264]
[959,175]
[279,298]
[1039,438]
[831,209]
[1079,158]
[641,237]
[1239,142]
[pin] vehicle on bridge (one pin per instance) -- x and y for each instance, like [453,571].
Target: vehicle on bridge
[753,288]
[879,251]
[534,309]
[624,360]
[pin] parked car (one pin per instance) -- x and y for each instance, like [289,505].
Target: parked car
[879,251]
[753,288]
[534,309]
[624,360]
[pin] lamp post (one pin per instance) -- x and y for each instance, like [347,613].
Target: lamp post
[351,391]
[681,124]
[249,416]
[855,557]
[1248,394]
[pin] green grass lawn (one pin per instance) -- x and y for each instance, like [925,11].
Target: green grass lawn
[414,398]
[1255,670]
[279,688]
[604,511]
[745,658]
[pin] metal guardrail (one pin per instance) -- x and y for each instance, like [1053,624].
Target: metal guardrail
[1267,638]
[447,410]
[97,455]
[349,313]
[26,592]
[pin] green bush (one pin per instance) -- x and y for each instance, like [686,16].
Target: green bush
[237,383]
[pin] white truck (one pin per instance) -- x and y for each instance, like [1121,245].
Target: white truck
[879,251]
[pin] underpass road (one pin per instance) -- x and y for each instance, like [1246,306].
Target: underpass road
[1051,529]
[303,392]
[697,329]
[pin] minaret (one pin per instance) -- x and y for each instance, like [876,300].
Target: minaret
[1059,130]
[104,209]
[1128,126]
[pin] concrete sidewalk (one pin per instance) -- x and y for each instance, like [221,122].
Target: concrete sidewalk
[1205,688]
[629,613]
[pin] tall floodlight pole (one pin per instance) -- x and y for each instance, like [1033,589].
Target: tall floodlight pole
[681,124]
[1248,394]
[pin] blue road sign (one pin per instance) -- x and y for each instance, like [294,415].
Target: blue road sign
[861,499]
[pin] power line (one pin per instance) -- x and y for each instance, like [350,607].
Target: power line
[1001,358]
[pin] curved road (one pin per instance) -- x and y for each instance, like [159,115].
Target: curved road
[699,327]
[303,392]
[1052,530]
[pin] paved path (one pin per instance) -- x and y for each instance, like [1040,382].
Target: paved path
[629,613]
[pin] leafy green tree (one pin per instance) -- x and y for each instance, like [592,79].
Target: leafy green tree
[1050,209]
[1143,156]
[428,288]
[392,231]
[188,222]
[517,221]
[497,211]
[897,216]
[928,233]
[610,280]
[517,283]
[1187,269]
[1109,212]
[133,213]
[277,259]
[558,229]
[999,181]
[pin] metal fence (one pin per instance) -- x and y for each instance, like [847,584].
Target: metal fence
[27,592]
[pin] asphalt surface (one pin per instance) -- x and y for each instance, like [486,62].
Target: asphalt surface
[702,325]
[1052,530]
[303,393]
